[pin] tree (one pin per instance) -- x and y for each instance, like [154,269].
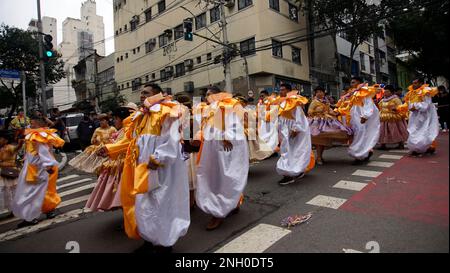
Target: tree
[424,34]
[112,102]
[19,50]
[356,20]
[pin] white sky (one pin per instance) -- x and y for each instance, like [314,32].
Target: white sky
[18,13]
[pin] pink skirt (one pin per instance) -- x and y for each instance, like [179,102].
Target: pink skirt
[106,194]
[392,132]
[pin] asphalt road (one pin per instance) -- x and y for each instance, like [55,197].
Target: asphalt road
[397,204]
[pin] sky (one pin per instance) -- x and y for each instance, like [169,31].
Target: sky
[18,13]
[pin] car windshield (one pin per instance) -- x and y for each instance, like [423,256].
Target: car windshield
[73,121]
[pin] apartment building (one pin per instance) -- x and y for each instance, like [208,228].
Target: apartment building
[150,45]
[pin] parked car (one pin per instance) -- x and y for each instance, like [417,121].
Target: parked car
[72,121]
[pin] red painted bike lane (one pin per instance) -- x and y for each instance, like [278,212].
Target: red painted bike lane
[416,189]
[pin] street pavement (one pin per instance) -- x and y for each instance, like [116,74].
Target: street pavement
[395,203]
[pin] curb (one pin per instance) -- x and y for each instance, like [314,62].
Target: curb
[63,162]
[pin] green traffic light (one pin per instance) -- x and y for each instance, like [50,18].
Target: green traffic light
[49,53]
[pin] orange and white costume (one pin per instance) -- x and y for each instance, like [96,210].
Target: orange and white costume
[155,202]
[296,156]
[36,189]
[423,125]
[222,175]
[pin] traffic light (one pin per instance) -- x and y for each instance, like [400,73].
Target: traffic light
[188,35]
[48,47]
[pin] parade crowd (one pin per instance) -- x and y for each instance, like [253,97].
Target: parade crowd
[159,161]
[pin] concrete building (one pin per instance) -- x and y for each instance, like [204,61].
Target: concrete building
[145,54]
[80,38]
[49,26]
[330,56]
[106,83]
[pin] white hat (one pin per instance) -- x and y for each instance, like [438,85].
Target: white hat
[132,105]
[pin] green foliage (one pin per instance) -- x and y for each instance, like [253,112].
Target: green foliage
[425,34]
[19,50]
[112,102]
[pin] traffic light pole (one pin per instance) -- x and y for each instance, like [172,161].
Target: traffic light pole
[41,62]
[226,51]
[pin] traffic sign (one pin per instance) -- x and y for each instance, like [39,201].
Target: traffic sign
[10,74]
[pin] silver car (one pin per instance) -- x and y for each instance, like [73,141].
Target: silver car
[72,121]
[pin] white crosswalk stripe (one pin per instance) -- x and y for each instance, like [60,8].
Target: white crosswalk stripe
[380,164]
[327,201]
[399,151]
[82,188]
[255,240]
[74,183]
[350,185]
[386,156]
[67,178]
[365,173]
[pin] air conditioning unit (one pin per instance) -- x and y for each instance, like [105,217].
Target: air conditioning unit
[189,87]
[229,3]
[189,63]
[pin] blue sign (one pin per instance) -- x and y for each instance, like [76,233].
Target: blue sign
[10,74]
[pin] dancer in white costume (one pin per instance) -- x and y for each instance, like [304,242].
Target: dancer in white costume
[154,187]
[365,121]
[36,189]
[268,120]
[296,157]
[224,163]
[423,126]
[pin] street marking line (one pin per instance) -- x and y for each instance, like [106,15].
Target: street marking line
[255,240]
[327,201]
[82,188]
[11,234]
[399,151]
[380,164]
[62,205]
[365,173]
[67,177]
[385,156]
[350,185]
[73,183]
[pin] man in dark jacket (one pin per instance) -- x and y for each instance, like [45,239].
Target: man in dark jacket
[85,130]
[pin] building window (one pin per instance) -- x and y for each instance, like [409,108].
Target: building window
[134,22]
[118,59]
[274,4]
[138,49]
[362,60]
[296,55]
[135,84]
[150,45]
[382,55]
[161,6]
[214,14]
[146,78]
[153,76]
[128,84]
[199,60]
[117,32]
[244,3]
[200,21]
[121,58]
[122,87]
[125,27]
[293,12]
[179,70]
[134,51]
[148,15]
[126,55]
[163,75]
[178,32]
[163,40]
[209,56]
[372,65]
[277,49]
[248,47]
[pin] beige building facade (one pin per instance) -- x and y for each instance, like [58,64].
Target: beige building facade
[256,28]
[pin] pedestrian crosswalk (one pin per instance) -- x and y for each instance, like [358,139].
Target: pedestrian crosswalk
[74,190]
[356,186]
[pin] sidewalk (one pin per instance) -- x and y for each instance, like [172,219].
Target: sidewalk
[416,189]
